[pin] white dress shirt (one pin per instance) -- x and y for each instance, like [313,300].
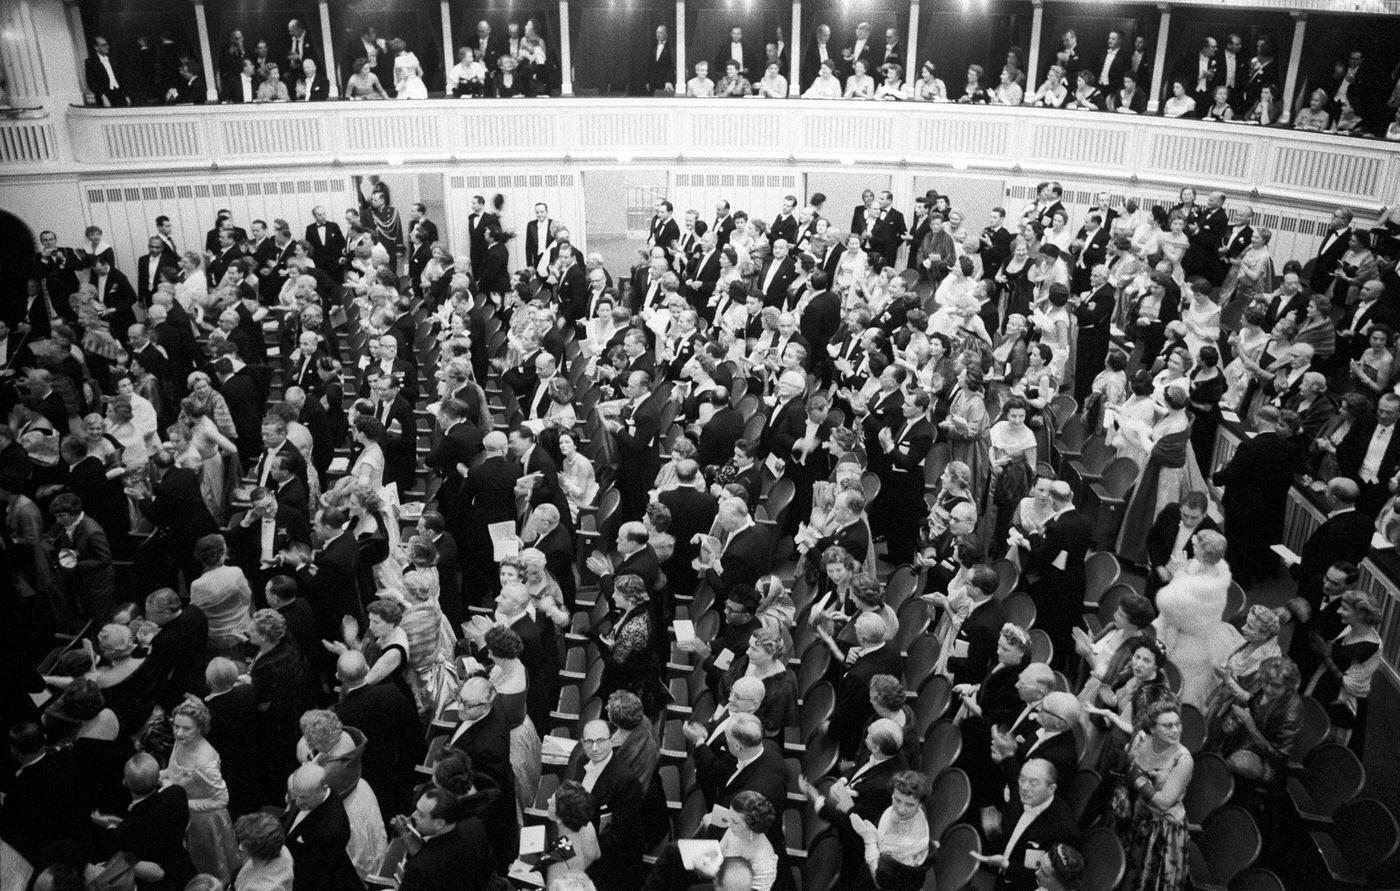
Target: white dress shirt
[736,52]
[592,771]
[1027,818]
[1108,58]
[1375,453]
[106,62]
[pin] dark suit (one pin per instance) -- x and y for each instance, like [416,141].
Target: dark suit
[637,456]
[784,227]
[1361,316]
[1059,593]
[333,589]
[495,269]
[39,806]
[1329,257]
[978,635]
[231,713]
[820,322]
[154,829]
[853,709]
[317,845]
[1055,824]
[884,235]
[661,67]
[92,582]
[144,286]
[458,445]
[1161,538]
[100,84]
[327,253]
[901,496]
[692,512]
[718,435]
[178,509]
[617,793]
[1114,81]
[1256,484]
[1094,315]
[1345,536]
[537,238]
[176,660]
[457,860]
[477,224]
[765,775]
[389,721]
[747,556]
[871,786]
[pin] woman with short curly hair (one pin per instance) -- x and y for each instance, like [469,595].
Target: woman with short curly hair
[384,644]
[262,840]
[766,660]
[576,848]
[509,677]
[751,815]
[195,766]
[339,750]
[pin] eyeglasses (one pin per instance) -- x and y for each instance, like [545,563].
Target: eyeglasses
[594,743]
[1168,725]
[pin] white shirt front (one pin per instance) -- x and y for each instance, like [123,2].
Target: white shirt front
[858,48]
[106,62]
[1375,453]
[660,48]
[247,85]
[736,52]
[738,767]
[592,771]
[1108,58]
[1027,818]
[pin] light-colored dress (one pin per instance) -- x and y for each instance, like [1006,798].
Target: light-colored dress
[509,678]
[1202,325]
[408,82]
[209,837]
[1190,627]
[370,465]
[579,483]
[266,875]
[1237,377]
[225,597]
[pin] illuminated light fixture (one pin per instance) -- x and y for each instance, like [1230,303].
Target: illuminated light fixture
[848,161]
[959,164]
[624,158]
[394,161]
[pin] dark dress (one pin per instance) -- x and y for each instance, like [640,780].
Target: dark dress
[779,707]
[1204,423]
[1018,290]
[1326,688]
[1168,455]
[631,662]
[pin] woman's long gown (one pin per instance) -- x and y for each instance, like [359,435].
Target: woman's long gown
[1190,625]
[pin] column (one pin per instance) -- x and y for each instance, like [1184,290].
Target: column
[682,72]
[211,79]
[1295,60]
[1159,57]
[566,56]
[449,51]
[79,42]
[911,64]
[328,50]
[1033,63]
[795,51]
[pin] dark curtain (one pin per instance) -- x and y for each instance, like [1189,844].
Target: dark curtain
[165,28]
[546,16]
[1331,38]
[263,21]
[954,38]
[1092,29]
[612,46]
[707,27]
[418,22]
[1191,25]
[842,18]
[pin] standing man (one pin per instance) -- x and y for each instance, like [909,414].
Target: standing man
[886,229]
[539,232]
[1256,485]
[900,503]
[1093,310]
[478,222]
[1115,62]
[104,87]
[1055,566]
[299,47]
[785,223]
[661,67]
[1370,455]
[1329,253]
[327,243]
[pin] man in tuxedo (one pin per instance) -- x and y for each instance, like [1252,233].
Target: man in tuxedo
[332,588]
[299,46]
[478,221]
[1199,72]
[778,274]
[719,434]
[154,825]
[708,743]
[1315,618]
[661,65]
[1169,543]
[388,720]
[663,230]
[757,766]
[148,269]
[1354,329]
[488,46]
[873,655]
[482,733]
[40,805]
[177,651]
[327,242]
[86,577]
[1257,480]
[860,50]
[539,232]
[461,441]
[634,556]
[692,512]
[1207,232]
[786,421]
[701,273]
[785,225]
[1094,312]
[1030,826]
[886,229]
[456,850]
[821,320]
[401,432]
[104,87]
[746,554]
[188,88]
[1110,70]
[318,833]
[245,404]
[617,807]
[266,529]
[487,495]
[636,432]
[1291,300]
[866,790]
[1090,248]
[892,53]
[1055,566]
[735,50]
[724,223]
[1370,454]
[1240,236]
[240,87]
[1329,254]
[1344,537]
[903,446]
[115,292]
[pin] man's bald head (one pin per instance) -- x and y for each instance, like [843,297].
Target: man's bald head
[141,774]
[1040,675]
[494,442]
[749,691]
[351,667]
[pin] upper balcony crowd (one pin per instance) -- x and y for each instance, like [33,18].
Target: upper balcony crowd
[1218,79]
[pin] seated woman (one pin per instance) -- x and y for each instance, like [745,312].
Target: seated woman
[468,76]
[733,85]
[1257,732]
[271,89]
[973,92]
[859,85]
[749,818]
[1315,117]
[1219,108]
[893,88]
[575,845]
[1053,93]
[1130,98]
[1086,94]
[897,846]
[700,86]
[1239,673]
[1179,104]
[930,87]
[1008,91]
[773,85]
[1266,110]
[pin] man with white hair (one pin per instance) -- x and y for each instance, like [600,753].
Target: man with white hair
[327,243]
[318,833]
[788,419]
[1055,716]
[778,274]
[1055,568]
[873,654]
[486,495]
[746,554]
[864,791]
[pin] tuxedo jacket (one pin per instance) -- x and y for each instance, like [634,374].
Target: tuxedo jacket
[144,287]
[884,235]
[1351,454]
[664,232]
[458,860]
[723,229]
[783,429]
[1162,536]
[617,813]
[1236,243]
[853,708]
[154,829]
[1346,536]
[477,224]
[703,268]
[784,227]
[661,67]
[1329,256]
[318,848]
[747,557]
[537,237]
[1055,824]
[495,269]
[99,84]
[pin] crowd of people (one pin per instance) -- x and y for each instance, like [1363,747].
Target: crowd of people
[1212,81]
[367,553]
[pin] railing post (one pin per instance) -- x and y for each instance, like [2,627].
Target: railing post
[566,55]
[911,64]
[1159,57]
[1033,63]
[328,51]
[1295,61]
[681,69]
[795,50]
[211,84]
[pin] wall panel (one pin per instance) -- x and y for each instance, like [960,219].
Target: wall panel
[562,190]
